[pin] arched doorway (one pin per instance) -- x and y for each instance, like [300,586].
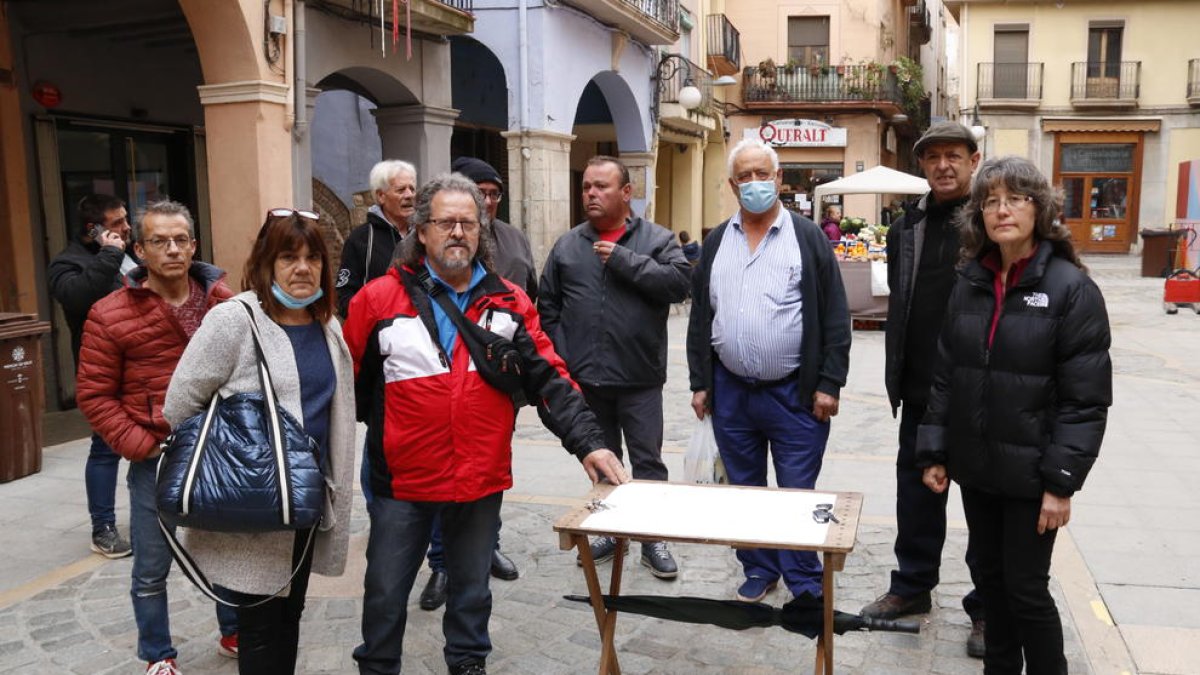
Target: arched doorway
[608,122]
[479,91]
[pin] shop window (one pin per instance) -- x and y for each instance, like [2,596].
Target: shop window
[799,181]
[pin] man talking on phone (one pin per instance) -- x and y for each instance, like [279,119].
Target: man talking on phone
[89,268]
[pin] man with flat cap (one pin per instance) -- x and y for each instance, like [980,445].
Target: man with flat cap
[513,260]
[923,251]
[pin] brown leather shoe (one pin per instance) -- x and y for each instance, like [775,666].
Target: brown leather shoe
[976,647]
[892,606]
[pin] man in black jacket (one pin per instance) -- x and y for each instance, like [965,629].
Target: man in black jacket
[369,249]
[89,268]
[923,250]
[606,291]
[768,350]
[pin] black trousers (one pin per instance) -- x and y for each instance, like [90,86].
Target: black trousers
[921,523]
[269,634]
[1014,577]
[636,413]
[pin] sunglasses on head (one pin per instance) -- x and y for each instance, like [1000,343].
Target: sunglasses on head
[284,213]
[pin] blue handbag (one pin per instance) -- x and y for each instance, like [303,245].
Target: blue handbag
[242,465]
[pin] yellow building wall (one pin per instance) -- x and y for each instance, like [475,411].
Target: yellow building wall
[1009,142]
[854,28]
[1158,33]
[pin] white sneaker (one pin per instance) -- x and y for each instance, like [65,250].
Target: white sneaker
[164,667]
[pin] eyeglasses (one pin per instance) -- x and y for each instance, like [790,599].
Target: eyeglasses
[1011,203]
[284,213]
[161,244]
[493,195]
[824,514]
[447,225]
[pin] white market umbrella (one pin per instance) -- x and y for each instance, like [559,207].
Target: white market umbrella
[877,179]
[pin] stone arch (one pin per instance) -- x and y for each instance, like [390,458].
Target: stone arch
[375,85]
[623,105]
[227,50]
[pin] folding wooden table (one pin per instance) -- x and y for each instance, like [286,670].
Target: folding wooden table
[675,512]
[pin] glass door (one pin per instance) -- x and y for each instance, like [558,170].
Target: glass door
[1100,189]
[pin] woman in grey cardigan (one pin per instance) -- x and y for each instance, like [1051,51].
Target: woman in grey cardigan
[288,283]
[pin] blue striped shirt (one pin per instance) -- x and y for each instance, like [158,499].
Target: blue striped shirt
[756,301]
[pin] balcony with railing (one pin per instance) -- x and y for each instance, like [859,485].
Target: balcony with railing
[433,17]
[920,25]
[871,86]
[724,45]
[1009,85]
[652,22]
[1105,84]
[674,73]
[1193,83]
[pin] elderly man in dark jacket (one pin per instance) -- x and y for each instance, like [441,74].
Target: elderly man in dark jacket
[606,290]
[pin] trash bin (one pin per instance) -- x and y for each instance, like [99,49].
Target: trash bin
[1158,252]
[21,397]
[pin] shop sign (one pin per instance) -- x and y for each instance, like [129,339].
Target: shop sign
[799,134]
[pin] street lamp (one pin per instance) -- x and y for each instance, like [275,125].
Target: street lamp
[689,95]
[977,129]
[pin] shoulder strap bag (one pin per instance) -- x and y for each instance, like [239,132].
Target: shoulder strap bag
[496,358]
[243,465]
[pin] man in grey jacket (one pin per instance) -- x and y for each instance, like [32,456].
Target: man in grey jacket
[605,293]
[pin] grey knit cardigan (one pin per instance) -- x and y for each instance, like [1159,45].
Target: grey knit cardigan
[220,357]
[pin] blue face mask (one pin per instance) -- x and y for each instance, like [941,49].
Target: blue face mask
[292,302]
[757,196]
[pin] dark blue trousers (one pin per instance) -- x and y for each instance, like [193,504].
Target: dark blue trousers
[921,523]
[747,419]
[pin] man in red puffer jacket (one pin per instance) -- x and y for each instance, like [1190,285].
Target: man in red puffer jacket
[132,341]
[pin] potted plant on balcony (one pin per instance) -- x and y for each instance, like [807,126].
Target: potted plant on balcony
[909,76]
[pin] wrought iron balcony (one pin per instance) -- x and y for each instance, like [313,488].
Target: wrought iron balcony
[652,22]
[1193,84]
[674,73]
[434,17]
[1105,84]
[769,87]
[919,24]
[1009,84]
[724,45]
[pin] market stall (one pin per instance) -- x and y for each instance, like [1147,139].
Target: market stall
[862,263]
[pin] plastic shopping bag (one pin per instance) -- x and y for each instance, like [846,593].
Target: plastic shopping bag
[702,461]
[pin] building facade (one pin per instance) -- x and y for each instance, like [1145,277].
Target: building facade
[208,102]
[1103,95]
[836,86]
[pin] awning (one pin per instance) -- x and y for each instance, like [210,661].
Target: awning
[1092,124]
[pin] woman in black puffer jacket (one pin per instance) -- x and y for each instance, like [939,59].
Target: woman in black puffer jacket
[1019,402]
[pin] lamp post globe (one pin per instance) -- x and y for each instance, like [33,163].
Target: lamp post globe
[689,97]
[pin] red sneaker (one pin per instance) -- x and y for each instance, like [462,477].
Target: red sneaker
[228,646]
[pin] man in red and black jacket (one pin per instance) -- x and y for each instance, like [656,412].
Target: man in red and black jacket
[439,437]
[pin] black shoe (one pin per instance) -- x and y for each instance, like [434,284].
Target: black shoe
[976,647]
[434,595]
[656,556]
[503,566]
[892,606]
[603,550]
[469,668]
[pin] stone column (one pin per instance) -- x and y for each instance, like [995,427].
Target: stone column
[250,164]
[419,134]
[641,174]
[539,189]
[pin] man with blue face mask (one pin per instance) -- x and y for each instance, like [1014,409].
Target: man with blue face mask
[768,350]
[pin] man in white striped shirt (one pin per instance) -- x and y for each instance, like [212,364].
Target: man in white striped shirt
[768,350]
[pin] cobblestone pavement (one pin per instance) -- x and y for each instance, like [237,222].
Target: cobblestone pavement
[63,610]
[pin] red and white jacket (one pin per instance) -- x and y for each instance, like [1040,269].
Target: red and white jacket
[436,430]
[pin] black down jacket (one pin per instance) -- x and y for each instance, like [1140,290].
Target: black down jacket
[1027,415]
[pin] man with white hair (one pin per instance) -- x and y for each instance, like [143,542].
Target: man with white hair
[768,350]
[369,249]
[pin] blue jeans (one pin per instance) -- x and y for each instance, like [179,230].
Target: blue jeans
[396,545]
[748,418]
[151,565]
[100,480]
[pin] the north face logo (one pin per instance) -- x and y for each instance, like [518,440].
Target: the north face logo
[1037,300]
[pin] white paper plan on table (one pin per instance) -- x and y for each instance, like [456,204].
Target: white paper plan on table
[698,512]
